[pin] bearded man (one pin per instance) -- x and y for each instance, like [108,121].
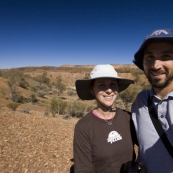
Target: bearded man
[152,111]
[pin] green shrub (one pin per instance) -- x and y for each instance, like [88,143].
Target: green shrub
[60,86]
[13,106]
[128,95]
[43,78]
[34,88]
[16,97]
[61,106]
[57,106]
[23,83]
[53,106]
[76,109]
[33,98]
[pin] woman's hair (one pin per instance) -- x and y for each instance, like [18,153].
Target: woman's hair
[92,83]
[91,86]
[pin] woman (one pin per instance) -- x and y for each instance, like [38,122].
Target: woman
[102,138]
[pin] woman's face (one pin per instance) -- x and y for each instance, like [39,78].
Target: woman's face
[105,91]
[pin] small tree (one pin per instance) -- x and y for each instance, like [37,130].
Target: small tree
[23,83]
[43,78]
[60,86]
[13,78]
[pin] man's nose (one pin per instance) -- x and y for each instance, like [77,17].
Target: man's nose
[157,64]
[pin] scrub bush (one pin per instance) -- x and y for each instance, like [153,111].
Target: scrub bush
[13,106]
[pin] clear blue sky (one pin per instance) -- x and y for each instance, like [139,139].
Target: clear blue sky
[77,32]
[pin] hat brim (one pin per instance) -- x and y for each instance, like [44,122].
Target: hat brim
[83,87]
[138,57]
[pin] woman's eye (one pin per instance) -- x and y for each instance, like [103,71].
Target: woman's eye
[114,84]
[101,85]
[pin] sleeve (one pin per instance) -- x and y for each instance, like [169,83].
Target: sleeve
[82,150]
[133,136]
[132,129]
[133,132]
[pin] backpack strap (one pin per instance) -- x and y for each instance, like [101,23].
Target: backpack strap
[158,127]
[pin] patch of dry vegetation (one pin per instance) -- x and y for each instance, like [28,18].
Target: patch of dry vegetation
[31,142]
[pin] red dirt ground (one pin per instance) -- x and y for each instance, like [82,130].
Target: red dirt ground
[33,143]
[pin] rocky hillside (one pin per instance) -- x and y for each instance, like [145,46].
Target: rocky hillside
[31,139]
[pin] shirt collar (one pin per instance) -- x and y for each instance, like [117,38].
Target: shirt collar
[152,94]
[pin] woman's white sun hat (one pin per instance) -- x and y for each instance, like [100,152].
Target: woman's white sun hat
[100,71]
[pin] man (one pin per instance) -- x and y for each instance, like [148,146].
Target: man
[155,58]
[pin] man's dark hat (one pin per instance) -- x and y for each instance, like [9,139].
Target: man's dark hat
[157,35]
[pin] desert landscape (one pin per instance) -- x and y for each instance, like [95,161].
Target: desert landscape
[36,137]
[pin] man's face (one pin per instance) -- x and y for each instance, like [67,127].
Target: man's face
[158,63]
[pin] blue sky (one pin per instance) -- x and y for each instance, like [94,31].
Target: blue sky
[77,32]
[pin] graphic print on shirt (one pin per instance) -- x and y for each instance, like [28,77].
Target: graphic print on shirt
[114,136]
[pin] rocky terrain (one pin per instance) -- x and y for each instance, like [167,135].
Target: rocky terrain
[32,143]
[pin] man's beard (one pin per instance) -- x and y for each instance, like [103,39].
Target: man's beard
[156,83]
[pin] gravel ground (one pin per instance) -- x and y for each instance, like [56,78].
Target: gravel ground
[33,143]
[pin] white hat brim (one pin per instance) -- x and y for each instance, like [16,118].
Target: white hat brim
[83,87]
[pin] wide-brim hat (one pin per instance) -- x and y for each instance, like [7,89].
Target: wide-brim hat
[157,35]
[83,86]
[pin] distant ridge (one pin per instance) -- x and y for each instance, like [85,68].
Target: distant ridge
[89,66]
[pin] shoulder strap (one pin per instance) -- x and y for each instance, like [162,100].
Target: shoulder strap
[158,127]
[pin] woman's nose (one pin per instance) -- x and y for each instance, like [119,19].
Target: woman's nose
[108,89]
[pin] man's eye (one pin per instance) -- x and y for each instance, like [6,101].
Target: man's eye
[166,56]
[148,57]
